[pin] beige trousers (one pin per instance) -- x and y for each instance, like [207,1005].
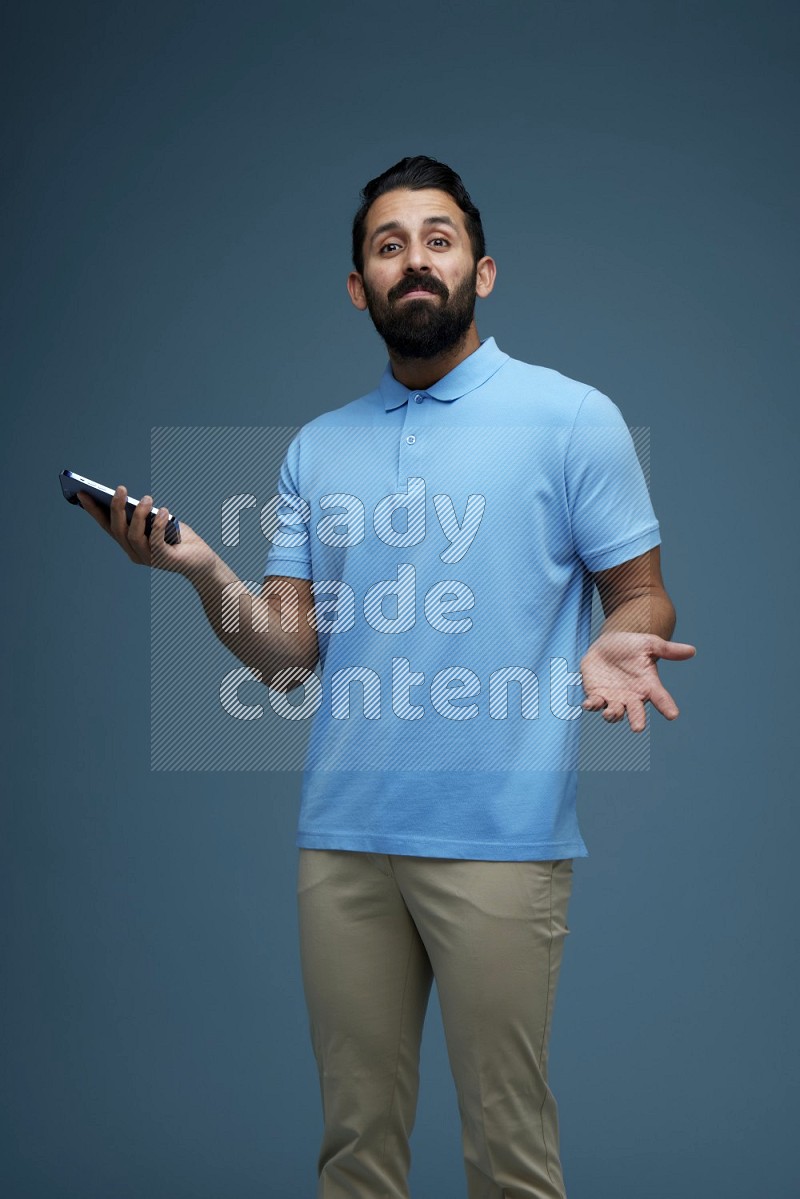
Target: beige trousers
[375,930]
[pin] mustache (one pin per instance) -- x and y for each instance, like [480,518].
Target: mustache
[417,285]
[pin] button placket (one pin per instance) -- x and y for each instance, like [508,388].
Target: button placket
[408,440]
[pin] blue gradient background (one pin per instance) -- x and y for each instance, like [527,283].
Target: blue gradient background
[179,182]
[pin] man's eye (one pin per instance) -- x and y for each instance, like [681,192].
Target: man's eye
[389,244]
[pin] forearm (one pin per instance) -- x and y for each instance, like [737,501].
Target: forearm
[650,613]
[252,627]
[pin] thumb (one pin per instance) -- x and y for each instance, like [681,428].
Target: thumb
[677,650]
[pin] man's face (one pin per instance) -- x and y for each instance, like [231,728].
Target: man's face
[418,253]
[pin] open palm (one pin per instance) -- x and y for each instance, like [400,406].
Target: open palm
[619,675]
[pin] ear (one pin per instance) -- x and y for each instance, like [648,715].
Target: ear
[355,286]
[487,273]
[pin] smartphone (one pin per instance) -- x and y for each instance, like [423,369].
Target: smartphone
[71,484]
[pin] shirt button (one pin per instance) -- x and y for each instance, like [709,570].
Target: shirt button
[411,439]
[418,399]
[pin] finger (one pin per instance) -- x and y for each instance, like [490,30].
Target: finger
[614,712]
[593,702]
[120,528]
[661,699]
[98,511]
[119,523]
[136,529]
[637,717]
[158,551]
[676,650]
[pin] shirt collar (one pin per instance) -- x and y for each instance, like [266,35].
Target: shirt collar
[470,373]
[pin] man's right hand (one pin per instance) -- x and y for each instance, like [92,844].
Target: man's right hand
[190,557]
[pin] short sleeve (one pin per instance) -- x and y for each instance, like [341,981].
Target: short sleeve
[290,552]
[611,516]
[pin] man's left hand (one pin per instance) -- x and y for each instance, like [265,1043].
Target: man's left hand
[619,675]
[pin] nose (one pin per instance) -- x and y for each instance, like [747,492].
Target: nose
[417,259]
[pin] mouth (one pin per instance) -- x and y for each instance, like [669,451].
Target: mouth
[411,295]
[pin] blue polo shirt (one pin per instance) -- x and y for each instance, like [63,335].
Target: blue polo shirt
[450,535]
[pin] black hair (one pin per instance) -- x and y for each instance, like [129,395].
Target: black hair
[416,173]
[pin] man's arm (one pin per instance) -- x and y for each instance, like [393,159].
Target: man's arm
[270,632]
[634,597]
[619,669]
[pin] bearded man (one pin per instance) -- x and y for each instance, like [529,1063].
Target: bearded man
[438,824]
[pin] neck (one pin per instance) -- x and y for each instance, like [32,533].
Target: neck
[420,373]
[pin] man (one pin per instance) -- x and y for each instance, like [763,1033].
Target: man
[438,824]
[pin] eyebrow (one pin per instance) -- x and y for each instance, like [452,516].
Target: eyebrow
[395,226]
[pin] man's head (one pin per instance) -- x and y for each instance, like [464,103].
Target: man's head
[418,229]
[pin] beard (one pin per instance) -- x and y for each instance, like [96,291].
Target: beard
[423,328]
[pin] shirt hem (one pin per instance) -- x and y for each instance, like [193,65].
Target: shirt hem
[615,555]
[426,848]
[296,569]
